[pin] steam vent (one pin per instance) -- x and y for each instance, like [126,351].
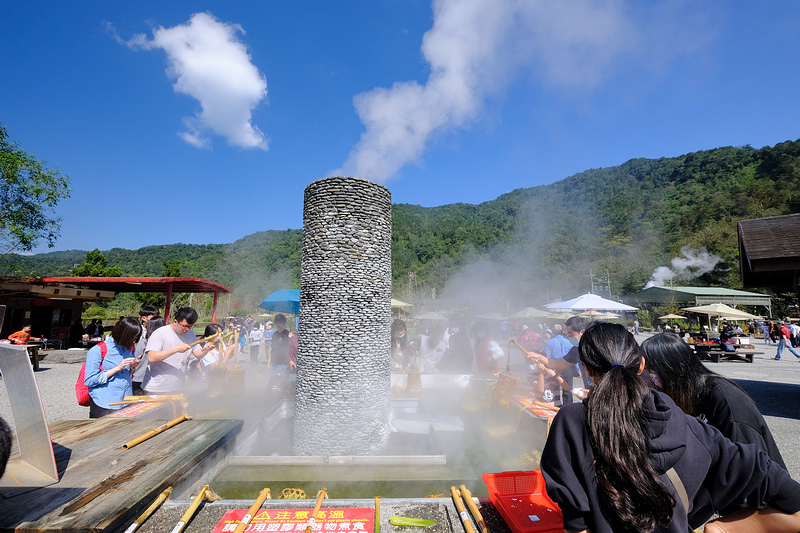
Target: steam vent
[343,361]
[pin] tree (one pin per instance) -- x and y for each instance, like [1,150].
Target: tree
[29,194]
[96,264]
[172,269]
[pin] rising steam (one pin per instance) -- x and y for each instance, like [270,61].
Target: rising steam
[474,49]
[690,264]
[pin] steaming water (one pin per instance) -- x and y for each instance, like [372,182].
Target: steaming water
[449,437]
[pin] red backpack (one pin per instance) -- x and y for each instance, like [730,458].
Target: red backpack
[81,390]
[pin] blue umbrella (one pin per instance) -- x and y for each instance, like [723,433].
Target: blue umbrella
[283,301]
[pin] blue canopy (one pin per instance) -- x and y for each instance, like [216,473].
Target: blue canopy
[283,301]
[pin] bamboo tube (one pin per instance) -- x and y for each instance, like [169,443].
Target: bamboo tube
[150,510]
[156,397]
[377,515]
[549,371]
[198,341]
[155,432]
[461,511]
[205,494]
[253,510]
[476,514]
[546,405]
[313,519]
[141,400]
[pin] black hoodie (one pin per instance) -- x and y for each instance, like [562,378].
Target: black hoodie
[715,472]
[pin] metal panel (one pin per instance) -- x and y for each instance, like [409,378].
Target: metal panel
[36,465]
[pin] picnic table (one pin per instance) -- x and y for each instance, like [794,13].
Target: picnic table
[713,351]
[33,353]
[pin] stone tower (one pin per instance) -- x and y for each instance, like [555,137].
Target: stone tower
[343,362]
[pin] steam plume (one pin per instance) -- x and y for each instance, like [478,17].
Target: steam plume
[472,48]
[690,264]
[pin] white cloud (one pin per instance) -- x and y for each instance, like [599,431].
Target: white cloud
[474,49]
[209,63]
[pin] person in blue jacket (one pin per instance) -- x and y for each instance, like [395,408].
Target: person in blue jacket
[109,379]
[627,459]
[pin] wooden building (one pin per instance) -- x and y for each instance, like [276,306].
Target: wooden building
[769,252]
[51,305]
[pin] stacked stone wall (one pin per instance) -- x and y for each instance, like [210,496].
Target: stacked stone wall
[343,365]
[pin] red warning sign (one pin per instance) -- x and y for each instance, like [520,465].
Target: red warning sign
[345,520]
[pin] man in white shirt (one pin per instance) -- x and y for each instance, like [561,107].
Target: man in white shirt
[167,352]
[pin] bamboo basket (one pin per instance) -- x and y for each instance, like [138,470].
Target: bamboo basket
[502,393]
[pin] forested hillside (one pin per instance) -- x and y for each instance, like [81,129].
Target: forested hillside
[528,245]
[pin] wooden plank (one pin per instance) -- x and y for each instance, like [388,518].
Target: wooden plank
[102,485]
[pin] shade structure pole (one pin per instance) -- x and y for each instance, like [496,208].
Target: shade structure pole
[169,303]
[214,309]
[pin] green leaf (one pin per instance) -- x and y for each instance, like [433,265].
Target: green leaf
[406,521]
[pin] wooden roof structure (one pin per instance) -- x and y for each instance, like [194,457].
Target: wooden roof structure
[769,251]
[166,285]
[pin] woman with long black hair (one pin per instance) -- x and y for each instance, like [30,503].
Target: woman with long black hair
[676,370]
[627,457]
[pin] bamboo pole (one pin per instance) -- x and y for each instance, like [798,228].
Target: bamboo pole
[156,397]
[313,519]
[377,515]
[143,400]
[461,511]
[476,514]
[150,510]
[549,371]
[546,405]
[138,440]
[205,494]
[253,510]
[198,341]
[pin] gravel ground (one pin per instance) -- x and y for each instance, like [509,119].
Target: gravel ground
[56,378]
[774,385]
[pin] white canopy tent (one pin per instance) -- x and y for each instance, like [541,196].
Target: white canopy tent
[590,302]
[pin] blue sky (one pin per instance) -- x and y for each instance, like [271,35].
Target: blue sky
[202,122]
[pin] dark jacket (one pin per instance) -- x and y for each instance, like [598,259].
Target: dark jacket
[728,408]
[715,472]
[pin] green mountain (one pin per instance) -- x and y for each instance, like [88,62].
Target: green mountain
[529,245]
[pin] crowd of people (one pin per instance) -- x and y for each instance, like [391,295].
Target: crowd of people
[655,442]
[149,355]
[660,443]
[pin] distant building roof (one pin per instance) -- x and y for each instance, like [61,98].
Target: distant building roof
[769,251]
[692,296]
[141,284]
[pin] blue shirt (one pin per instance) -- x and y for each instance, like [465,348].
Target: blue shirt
[102,388]
[557,347]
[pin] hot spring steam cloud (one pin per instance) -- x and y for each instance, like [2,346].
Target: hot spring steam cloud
[343,362]
[690,264]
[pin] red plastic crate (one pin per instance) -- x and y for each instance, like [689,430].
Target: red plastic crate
[521,499]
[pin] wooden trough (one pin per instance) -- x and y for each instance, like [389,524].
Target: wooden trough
[103,487]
